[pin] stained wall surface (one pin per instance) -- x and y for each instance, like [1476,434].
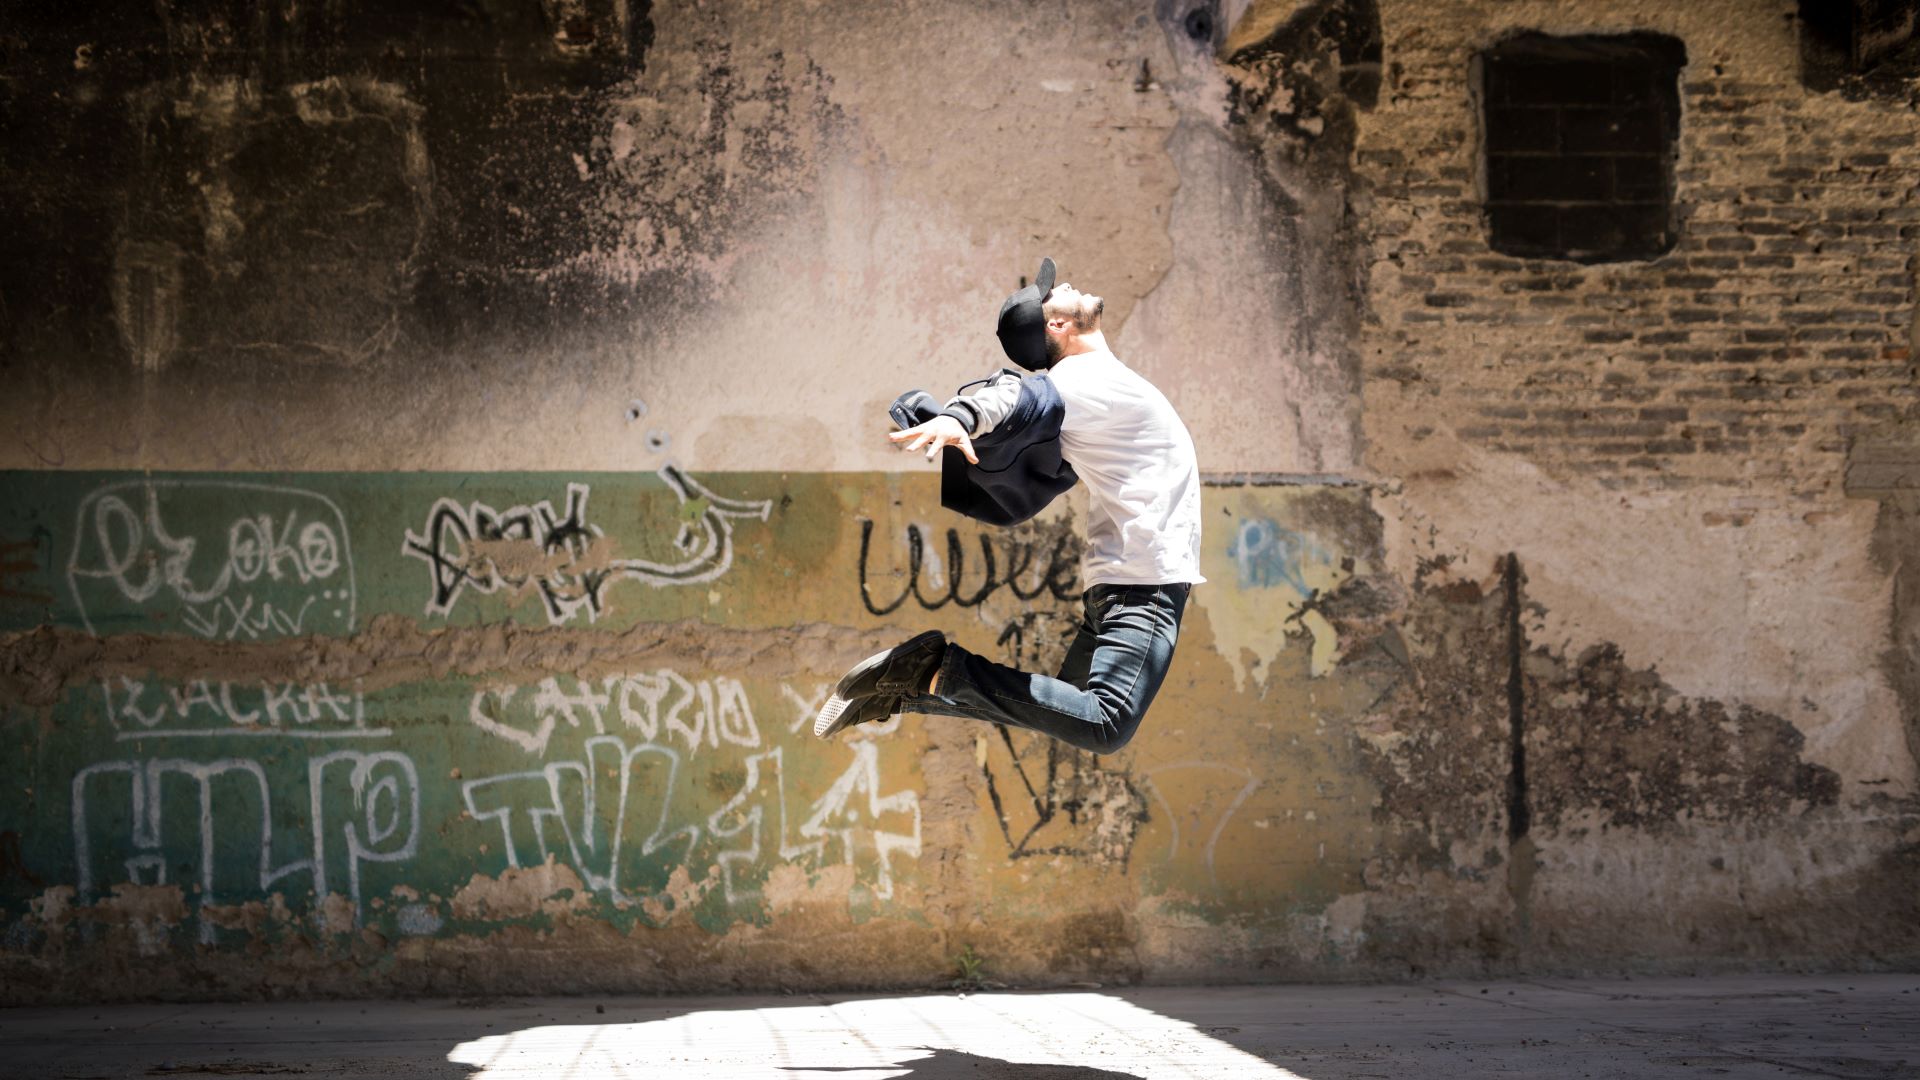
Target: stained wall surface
[444,472]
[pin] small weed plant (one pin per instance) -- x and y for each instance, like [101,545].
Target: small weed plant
[967,965]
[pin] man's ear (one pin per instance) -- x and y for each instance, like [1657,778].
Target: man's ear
[1059,326]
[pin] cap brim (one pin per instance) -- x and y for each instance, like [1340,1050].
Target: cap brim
[1044,279]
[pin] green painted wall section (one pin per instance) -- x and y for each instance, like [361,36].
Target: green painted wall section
[658,767]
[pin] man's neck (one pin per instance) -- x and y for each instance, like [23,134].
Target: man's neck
[1092,341]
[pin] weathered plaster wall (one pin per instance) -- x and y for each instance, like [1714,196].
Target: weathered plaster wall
[1663,444]
[1560,617]
[314,251]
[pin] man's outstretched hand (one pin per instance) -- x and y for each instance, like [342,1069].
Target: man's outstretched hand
[941,431]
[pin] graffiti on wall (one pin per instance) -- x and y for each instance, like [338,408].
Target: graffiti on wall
[1266,554]
[609,812]
[657,705]
[143,708]
[635,778]
[563,556]
[1048,798]
[660,789]
[1027,565]
[1205,796]
[1051,799]
[665,774]
[363,808]
[1289,566]
[229,560]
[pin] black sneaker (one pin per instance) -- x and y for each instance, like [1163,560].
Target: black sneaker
[901,670]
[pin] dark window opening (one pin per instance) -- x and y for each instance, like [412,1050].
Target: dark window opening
[1580,137]
[1863,48]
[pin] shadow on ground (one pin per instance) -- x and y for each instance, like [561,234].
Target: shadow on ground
[942,1064]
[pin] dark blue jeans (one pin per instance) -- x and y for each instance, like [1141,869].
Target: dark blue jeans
[1112,671]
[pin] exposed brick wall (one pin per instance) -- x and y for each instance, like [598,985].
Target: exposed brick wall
[1778,324]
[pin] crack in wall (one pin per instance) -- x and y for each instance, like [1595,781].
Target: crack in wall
[1520,847]
[1518,819]
[37,666]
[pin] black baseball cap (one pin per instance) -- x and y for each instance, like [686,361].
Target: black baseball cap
[1023,325]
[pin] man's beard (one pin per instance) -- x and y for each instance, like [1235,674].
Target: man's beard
[1086,320]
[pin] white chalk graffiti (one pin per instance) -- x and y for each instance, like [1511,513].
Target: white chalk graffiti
[282,567]
[234,806]
[226,619]
[661,706]
[835,817]
[209,707]
[613,808]
[579,810]
[386,793]
[1247,783]
[837,813]
[563,565]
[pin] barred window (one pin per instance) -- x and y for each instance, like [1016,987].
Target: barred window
[1580,136]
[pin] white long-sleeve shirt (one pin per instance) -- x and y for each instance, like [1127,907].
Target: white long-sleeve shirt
[1130,448]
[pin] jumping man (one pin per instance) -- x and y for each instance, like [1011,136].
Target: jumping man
[1082,413]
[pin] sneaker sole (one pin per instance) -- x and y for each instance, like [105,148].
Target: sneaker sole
[829,719]
[871,710]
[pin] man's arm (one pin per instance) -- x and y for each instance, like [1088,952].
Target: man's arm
[965,415]
[941,431]
[988,405]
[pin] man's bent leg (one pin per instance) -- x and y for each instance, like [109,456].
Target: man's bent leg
[1077,665]
[1134,628]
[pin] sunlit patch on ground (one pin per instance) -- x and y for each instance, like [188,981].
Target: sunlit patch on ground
[1066,1036]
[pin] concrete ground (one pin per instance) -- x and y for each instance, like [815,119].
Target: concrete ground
[1741,1026]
